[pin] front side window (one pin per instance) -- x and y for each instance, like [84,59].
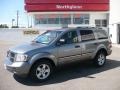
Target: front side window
[47,37]
[87,35]
[70,37]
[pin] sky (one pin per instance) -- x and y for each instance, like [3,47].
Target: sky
[8,10]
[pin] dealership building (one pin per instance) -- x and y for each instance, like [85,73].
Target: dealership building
[52,14]
[49,14]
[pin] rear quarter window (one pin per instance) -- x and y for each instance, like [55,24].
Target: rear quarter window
[101,34]
[87,35]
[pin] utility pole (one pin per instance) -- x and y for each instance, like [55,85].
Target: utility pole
[17,18]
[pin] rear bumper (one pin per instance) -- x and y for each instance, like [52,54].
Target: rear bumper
[19,68]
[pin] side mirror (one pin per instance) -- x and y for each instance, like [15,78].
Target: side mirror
[60,42]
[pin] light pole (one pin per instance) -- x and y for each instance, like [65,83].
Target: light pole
[17,18]
[13,22]
[28,20]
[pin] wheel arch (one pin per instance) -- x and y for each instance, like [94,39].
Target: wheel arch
[43,59]
[100,48]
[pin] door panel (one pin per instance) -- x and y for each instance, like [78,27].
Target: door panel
[88,49]
[68,53]
[88,43]
[70,49]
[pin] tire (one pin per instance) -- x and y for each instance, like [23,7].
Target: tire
[100,59]
[41,71]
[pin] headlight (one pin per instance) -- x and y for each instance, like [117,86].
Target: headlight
[21,57]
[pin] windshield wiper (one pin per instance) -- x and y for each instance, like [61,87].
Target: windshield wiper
[36,42]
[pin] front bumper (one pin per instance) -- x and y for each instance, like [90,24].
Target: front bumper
[19,68]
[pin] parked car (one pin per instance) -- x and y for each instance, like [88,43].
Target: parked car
[53,48]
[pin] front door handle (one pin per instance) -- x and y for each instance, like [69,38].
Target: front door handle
[77,46]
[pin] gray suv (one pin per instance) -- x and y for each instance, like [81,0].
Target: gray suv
[55,47]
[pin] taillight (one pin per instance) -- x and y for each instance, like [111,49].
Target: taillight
[110,44]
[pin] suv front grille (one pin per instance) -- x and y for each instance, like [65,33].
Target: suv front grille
[11,56]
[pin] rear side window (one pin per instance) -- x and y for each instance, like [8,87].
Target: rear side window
[87,35]
[101,34]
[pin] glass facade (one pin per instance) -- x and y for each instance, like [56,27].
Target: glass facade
[81,19]
[62,19]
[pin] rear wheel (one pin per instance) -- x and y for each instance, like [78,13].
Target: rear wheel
[41,71]
[100,59]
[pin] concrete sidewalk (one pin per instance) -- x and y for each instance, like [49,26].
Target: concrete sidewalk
[116,45]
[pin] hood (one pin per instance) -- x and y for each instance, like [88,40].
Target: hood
[24,48]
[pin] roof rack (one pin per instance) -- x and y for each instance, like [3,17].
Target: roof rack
[86,27]
[91,27]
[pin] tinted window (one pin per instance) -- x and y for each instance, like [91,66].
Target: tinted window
[70,37]
[102,34]
[87,35]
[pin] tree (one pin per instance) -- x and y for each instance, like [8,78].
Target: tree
[15,27]
[4,26]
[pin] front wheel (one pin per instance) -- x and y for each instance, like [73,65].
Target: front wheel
[100,59]
[41,71]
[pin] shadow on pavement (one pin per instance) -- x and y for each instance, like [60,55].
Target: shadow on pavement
[71,71]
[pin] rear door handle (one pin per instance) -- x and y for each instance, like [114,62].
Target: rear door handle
[95,43]
[77,46]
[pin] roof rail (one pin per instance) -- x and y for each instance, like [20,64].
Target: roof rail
[86,27]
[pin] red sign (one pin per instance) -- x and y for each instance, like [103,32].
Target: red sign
[66,7]
[65,1]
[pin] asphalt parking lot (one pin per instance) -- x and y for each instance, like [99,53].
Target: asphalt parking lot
[80,76]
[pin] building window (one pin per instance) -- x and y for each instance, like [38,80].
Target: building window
[65,19]
[62,19]
[81,19]
[53,19]
[104,23]
[41,19]
[101,23]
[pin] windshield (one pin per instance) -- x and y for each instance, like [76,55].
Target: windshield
[47,37]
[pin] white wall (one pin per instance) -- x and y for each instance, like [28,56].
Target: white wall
[113,33]
[114,19]
[15,36]
[97,15]
[114,11]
